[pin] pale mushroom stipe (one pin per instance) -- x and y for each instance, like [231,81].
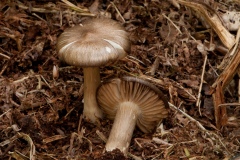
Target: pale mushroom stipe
[130,101]
[94,43]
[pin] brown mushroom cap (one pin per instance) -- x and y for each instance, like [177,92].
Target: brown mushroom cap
[150,100]
[95,43]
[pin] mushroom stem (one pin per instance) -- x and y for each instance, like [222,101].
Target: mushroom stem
[91,82]
[123,127]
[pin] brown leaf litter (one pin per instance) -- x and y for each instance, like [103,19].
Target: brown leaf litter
[172,41]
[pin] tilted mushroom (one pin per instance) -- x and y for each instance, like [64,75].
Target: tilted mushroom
[94,43]
[130,101]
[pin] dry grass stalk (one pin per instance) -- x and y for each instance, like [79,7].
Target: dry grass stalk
[53,138]
[200,87]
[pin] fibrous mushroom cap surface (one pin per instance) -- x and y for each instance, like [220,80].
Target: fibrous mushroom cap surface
[96,42]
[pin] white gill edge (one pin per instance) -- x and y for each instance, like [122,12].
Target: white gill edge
[120,30]
[66,46]
[115,45]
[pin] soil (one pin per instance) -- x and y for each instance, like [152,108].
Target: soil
[41,98]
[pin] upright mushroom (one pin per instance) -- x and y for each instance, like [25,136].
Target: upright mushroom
[94,43]
[131,102]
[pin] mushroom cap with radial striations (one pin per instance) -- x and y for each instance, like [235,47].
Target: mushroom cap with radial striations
[96,42]
[153,106]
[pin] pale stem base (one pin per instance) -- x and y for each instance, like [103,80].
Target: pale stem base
[123,127]
[91,110]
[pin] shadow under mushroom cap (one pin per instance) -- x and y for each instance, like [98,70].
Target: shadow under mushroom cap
[95,43]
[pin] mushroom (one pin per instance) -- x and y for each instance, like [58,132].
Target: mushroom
[131,101]
[94,43]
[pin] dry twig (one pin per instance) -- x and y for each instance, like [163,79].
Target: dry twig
[220,85]
[214,21]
